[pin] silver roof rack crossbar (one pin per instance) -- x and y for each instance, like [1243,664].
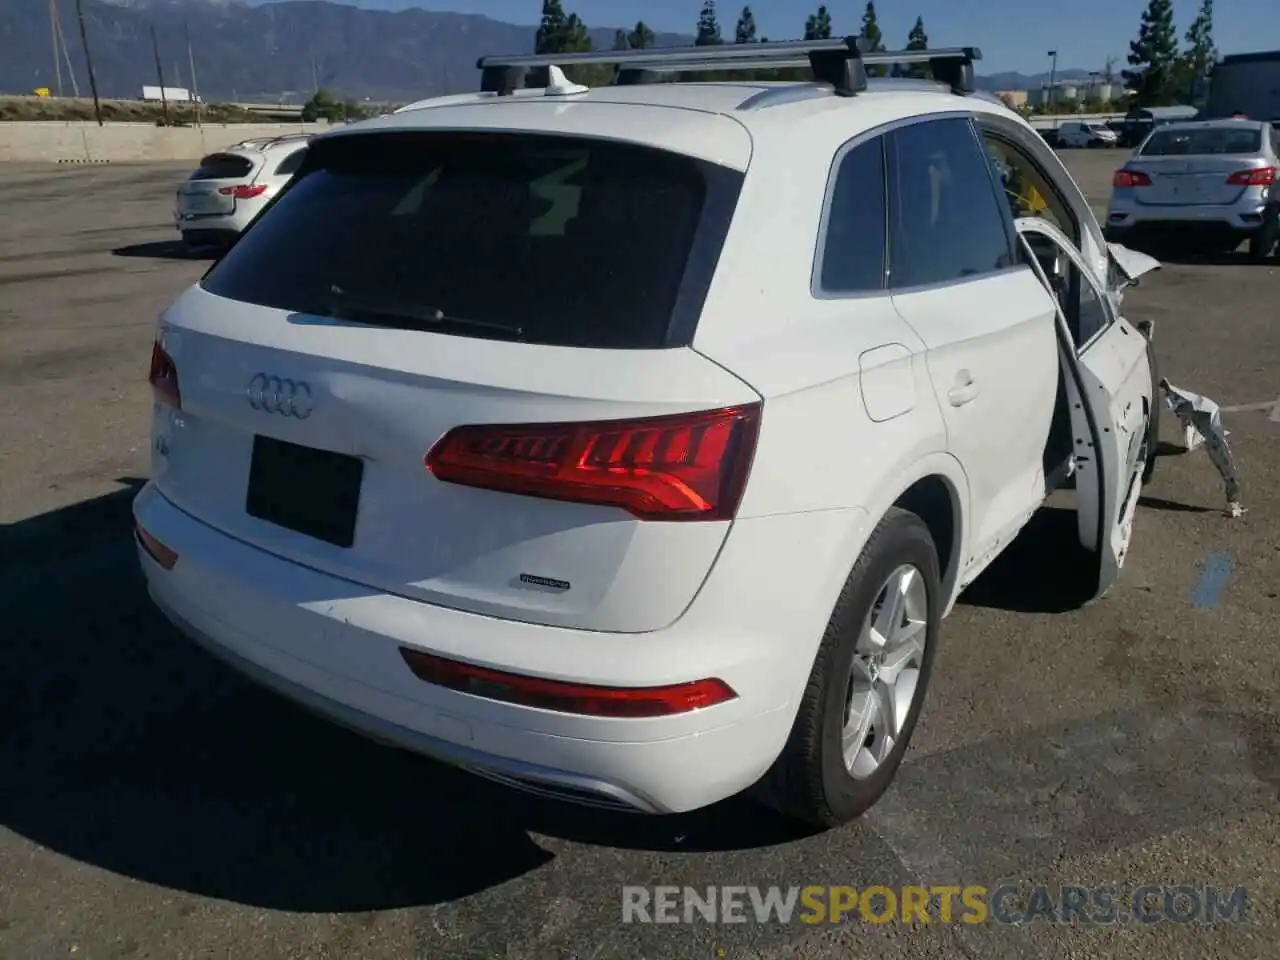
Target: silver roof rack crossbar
[840,62]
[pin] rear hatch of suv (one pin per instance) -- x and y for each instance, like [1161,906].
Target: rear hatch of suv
[1205,166]
[220,180]
[454,366]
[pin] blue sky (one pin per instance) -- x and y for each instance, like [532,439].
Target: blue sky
[1013,34]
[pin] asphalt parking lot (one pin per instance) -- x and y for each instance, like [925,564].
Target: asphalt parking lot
[152,804]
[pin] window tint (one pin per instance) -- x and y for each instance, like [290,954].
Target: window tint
[1223,141]
[1083,305]
[1091,314]
[1027,191]
[946,223]
[574,242]
[223,166]
[853,257]
[290,164]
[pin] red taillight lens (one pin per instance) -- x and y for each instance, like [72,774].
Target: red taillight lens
[685,467]
[1263,177]
[158,552]
[584,699]
[164,378]
[244,191]
[1130,178]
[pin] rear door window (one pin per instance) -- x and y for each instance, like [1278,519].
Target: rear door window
[550,240]
[223,166]
[946,223]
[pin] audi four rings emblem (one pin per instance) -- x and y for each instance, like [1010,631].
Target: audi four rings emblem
[289,398]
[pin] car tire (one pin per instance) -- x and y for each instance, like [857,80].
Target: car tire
[1264,241]
[811,780]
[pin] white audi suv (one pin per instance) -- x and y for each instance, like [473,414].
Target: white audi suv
[630,444]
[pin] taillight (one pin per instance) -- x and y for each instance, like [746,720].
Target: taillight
[243,191]
[1263,177]
[165,557]
[584,699]
[1130,178]
[685,467]
[164,378]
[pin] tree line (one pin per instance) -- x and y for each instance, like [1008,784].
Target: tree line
[1162,72]
[561,32]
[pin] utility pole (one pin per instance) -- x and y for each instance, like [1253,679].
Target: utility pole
[57,59]
[66,54]
[1053,84]
[93,81]
[164,101]
[191,61]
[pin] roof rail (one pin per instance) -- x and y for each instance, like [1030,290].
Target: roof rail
[840,62]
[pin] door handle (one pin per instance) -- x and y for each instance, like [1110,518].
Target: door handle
[964,391]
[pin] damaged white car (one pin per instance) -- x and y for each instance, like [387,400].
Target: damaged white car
[629,445]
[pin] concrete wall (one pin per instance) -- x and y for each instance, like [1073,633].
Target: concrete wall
[49,141]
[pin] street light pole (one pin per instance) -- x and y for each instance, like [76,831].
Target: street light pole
[88,60]
[1053,78]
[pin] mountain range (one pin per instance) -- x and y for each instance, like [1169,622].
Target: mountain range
[279,51]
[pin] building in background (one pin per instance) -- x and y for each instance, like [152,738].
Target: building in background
[1070,93]
[1246,82]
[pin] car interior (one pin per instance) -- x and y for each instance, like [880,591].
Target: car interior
[1030,194]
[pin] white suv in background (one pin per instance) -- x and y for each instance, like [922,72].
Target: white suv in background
[629,445]
[1077,133]
[232,186]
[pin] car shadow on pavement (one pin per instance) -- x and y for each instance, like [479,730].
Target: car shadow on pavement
[1044,570]
[166,250]
[127,747]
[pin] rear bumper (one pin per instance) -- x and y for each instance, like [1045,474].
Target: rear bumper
[228,223]
[333,646]
[1240,218]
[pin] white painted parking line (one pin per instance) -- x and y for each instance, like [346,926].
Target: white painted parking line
[1272,407]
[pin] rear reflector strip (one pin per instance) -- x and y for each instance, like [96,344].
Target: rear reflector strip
[583,699]
[158,552]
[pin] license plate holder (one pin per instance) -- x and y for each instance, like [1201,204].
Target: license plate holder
[306,490]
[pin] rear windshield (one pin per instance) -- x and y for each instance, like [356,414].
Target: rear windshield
[548,240]
[223,166]
[1210,140]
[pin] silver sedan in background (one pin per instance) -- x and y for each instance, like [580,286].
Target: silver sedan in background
[1201,186]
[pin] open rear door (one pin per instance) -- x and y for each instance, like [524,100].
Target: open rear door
[1109,387]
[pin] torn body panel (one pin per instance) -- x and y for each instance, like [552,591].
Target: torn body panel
[1201,420]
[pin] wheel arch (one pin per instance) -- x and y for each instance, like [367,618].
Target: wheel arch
[935,488]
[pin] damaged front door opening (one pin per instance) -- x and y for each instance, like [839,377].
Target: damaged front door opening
[1108,381]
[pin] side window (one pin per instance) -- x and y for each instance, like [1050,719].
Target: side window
[853,251]
[945,221]
[1085,308]
[290,164]
[1026,190]
[1090,309]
